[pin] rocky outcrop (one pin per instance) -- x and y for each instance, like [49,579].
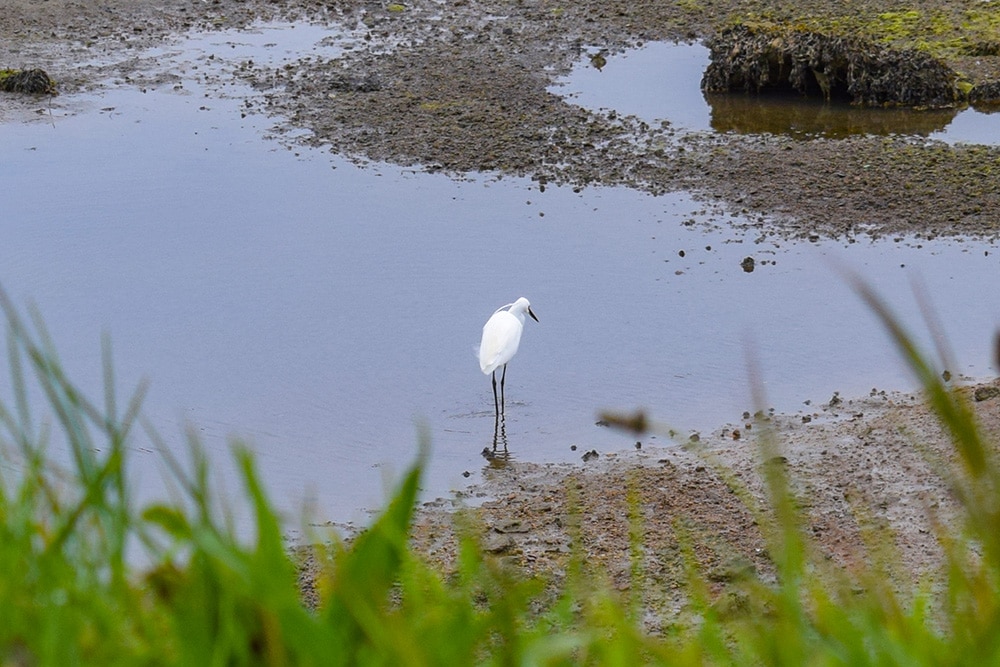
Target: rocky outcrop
[776,59]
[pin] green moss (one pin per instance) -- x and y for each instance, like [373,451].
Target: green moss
[942,33]
[898,25]
[691,6]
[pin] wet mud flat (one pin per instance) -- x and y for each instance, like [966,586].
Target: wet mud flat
[857,468]
[466,88]
[854,465]
[469,90]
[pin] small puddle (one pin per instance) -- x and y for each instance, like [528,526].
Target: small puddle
[661,81]
[268,44]
[655,82]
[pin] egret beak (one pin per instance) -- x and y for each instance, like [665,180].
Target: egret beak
[533,316]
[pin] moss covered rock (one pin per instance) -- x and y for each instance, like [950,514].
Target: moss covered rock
[774,59]
[33,81]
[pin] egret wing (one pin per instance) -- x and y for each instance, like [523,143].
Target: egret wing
[501,337]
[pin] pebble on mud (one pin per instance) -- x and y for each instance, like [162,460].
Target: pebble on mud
[986,392]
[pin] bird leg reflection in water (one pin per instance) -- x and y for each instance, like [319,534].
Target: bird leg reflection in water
[499,456]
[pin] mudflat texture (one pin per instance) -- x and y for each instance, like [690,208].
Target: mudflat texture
[463,87]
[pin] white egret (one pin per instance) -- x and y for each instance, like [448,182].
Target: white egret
[501,338]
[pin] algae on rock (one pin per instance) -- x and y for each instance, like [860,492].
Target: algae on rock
[773,58]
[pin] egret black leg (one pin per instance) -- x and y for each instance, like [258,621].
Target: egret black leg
[503,378]
[496,404]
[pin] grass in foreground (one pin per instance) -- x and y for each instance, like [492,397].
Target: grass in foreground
[68,594]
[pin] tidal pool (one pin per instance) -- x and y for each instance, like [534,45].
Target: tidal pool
[326,313]
[662,81]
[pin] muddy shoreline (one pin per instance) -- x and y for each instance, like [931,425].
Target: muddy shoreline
[467,91]
[866,473]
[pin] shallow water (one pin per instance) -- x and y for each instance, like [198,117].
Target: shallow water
[662,81]
[326,312]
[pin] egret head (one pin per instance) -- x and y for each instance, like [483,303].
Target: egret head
[523,306]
